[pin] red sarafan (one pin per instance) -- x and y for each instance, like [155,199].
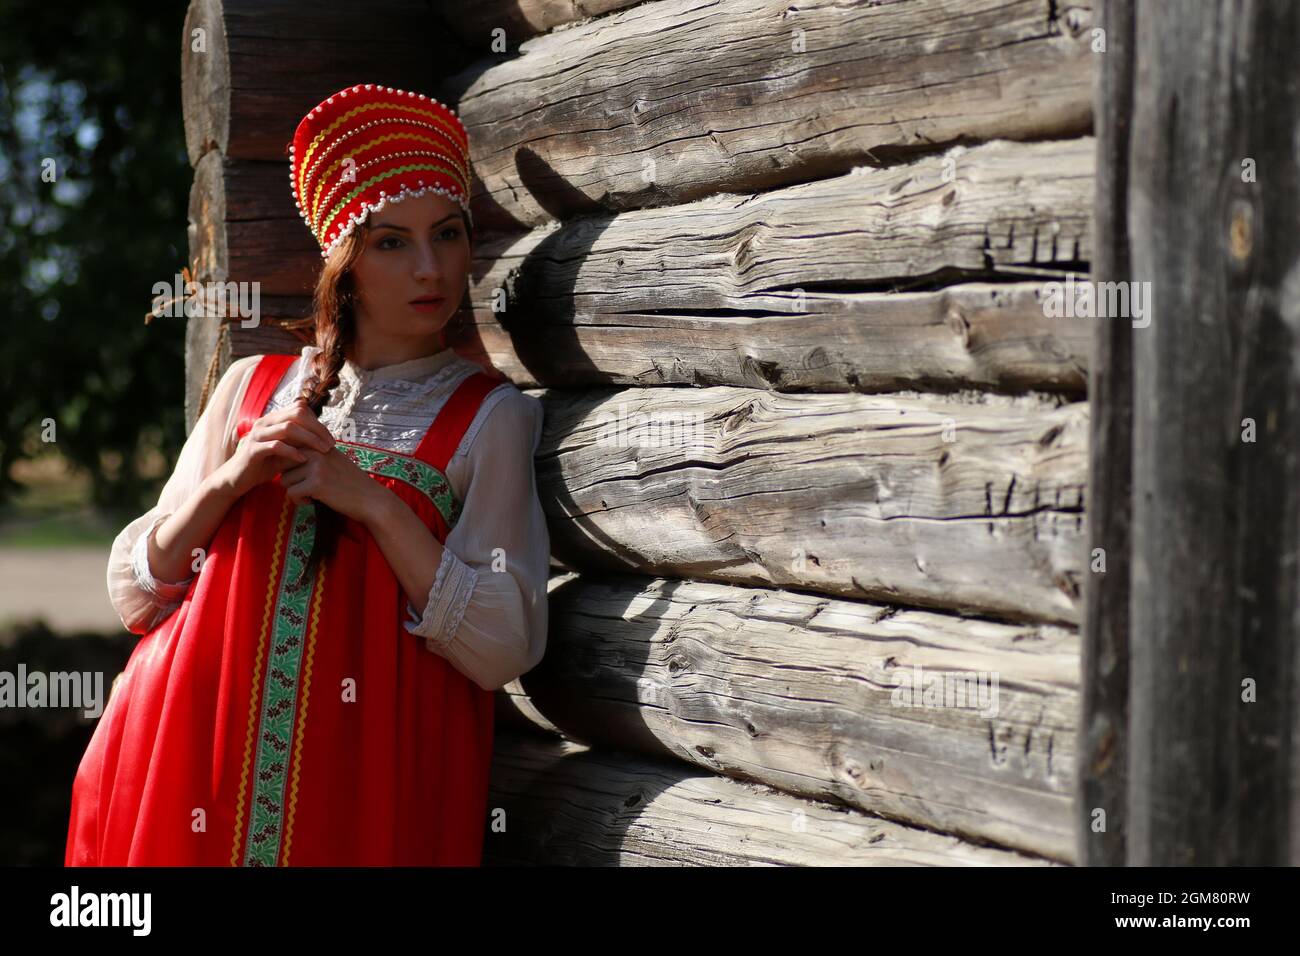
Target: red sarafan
[273,721]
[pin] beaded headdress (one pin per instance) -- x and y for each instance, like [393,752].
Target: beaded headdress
[368,145]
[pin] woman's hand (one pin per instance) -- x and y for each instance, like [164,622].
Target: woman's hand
[332,479]
[275,442]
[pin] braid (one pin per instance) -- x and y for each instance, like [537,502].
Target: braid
[335,334]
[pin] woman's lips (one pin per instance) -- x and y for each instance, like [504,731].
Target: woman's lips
[426,305]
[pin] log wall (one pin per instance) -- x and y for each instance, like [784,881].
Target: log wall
[778,275]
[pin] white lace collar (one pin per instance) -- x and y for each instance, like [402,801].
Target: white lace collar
[413,370]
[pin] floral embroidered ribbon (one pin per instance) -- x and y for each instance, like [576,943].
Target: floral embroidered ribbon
[420,475]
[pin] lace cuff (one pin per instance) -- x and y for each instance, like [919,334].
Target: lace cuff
[453,586]
[164,593]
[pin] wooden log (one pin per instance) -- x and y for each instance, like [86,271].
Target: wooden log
[265,63]
[207,349]
[998,210]
[1103,744]
[750,272]
[1213,198]
[975,335]
[565,804]
[814,696]
[850,495]
[677,99]
[772,291]
[249,206]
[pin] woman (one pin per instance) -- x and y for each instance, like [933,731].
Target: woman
[368,551]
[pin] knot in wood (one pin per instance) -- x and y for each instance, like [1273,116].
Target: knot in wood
[738,418]
[1240,232]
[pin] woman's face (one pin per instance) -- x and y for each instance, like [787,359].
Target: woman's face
[413,249]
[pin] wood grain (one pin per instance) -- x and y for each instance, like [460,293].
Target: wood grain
[1101,810]
[851,495]
[562,804]
[787,290]
[267,62]
[1213,773]
[677,99]
[811,695]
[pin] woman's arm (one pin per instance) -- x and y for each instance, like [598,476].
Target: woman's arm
[480,601]
[140,599]
[275,442]
[409,547]
[188,528]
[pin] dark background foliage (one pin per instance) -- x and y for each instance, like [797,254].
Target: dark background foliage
[96,89]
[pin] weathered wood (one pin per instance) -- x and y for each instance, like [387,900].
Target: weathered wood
[973,335]
[205,79]
[207,349]
[1001,209]
[210,334]
[812,696]
[1212,778]
[763,262]
[475,24]
[678,99]
[771,291]
[977,335]
[851,495]
[565,804]
[262,235]
[271,336]
[268,62]
[1103,746]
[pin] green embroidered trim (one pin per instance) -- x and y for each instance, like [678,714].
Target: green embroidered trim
[420,475]
[289,628]
[280,695]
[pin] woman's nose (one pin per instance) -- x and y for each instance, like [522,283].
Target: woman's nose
[426,263]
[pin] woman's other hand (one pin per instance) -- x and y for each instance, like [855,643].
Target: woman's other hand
[278,440]
[332,479]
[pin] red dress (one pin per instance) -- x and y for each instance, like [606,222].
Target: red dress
[268,724]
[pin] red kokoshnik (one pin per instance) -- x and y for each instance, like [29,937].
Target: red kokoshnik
[368,145]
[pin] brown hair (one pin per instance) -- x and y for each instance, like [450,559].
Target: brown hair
[334,314]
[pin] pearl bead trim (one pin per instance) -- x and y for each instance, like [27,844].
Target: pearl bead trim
[406,192]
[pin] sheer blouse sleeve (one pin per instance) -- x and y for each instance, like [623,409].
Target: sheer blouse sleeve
[141,600]
[487,610]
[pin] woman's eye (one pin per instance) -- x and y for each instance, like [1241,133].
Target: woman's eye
[450,234]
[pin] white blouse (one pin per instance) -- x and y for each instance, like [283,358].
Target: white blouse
[489,623]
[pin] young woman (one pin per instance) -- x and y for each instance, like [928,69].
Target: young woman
[348,560]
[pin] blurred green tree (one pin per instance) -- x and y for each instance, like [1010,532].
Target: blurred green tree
[94,184]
